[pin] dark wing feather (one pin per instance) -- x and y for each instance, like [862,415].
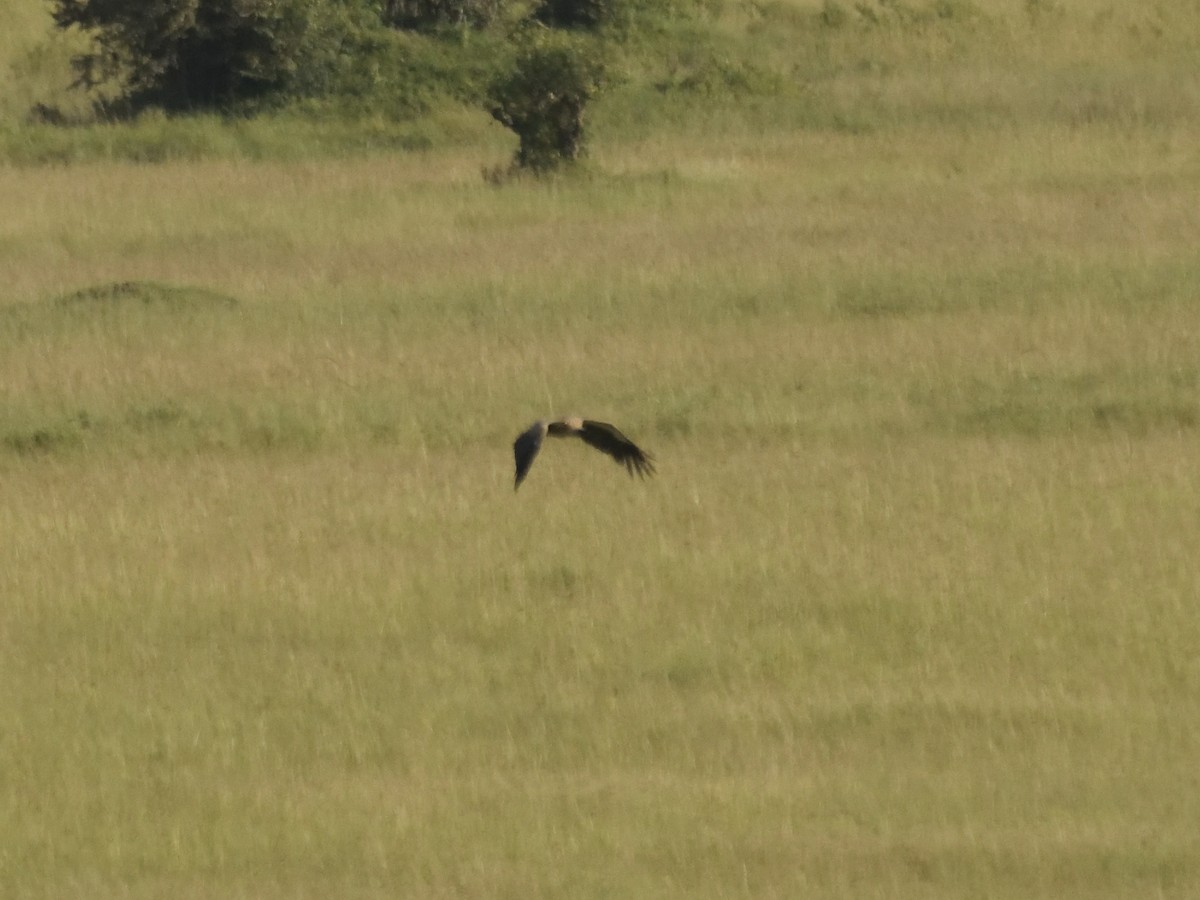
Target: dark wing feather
[525,449]
[608,439]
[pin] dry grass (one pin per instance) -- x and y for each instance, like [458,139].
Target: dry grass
[908,611]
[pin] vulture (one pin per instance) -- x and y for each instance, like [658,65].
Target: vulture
[601,435]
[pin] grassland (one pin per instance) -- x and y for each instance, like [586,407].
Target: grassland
[909,611]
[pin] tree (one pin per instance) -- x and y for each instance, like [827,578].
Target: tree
[182,54]
[544,96]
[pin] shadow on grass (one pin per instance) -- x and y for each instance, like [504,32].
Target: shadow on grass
[146,293]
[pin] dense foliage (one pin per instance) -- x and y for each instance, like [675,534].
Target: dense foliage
[185,54]
[432,13]
[581,13]
[235,54]
[543,99]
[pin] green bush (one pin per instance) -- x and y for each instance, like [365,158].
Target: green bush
[434,13]
[185,54]
[581,13]
[544,96]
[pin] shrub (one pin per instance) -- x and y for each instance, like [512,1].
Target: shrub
[544,97]
[181,54]
[581,13]
[434,13]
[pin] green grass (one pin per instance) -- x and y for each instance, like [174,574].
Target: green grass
[907,612]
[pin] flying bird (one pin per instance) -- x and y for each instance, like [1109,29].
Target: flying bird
[601,435]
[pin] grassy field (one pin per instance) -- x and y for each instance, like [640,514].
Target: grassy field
[909,611]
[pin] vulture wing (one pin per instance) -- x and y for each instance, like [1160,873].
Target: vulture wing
[525,449]
[608,439]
